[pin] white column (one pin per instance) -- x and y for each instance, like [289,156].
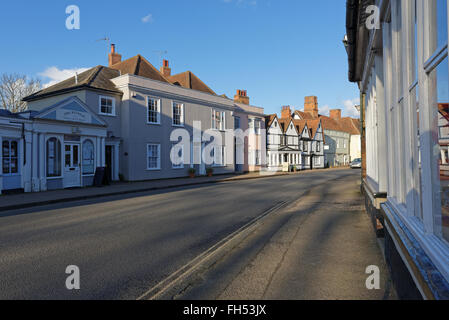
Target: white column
[26,170]
[103,152]
[117,161]
[42,163]
[98,152]
[34,164]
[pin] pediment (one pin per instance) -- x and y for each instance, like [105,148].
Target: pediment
[71,110]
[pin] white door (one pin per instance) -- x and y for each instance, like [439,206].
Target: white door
[72,166]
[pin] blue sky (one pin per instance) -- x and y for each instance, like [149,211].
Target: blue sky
[279,51]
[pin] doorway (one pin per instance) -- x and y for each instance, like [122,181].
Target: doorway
[72,166]
[109,158]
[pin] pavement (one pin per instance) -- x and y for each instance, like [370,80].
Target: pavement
[317,246]
[319,249]
[27,200]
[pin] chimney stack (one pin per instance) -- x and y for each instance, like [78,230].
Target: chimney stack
[335,114]
[286,112]
[114,57]
[311,106]
[165,69]
[241,97]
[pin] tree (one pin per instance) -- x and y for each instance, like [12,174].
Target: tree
[15,87]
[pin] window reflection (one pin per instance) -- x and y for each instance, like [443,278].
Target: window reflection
[441,13]
[440,74]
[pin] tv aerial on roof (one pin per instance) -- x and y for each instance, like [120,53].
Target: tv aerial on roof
[161,54]
[107,39]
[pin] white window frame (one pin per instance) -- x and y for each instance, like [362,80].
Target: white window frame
[401,127]
[113,113]
[91,140]
[158,145]
[181,165]
[216,163]
[158,106]
[222,120]
[257,127]
[182,120]
[19,167]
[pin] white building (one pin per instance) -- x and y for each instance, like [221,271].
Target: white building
[294,143]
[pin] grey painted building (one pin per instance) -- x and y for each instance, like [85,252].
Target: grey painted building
[155,125]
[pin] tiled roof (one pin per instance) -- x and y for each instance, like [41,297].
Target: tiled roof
[284,123]
[443,108]
[350,125]
[189,80]
[313,124]
[304,115]
[139,66]
[96,78]
[300,124]
[269,120]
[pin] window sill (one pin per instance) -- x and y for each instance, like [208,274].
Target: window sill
[54,178]
[153,123]
[158,169]
[108,115]
[178,125]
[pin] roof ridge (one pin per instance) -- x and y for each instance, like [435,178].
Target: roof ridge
[153,67]
[94,74]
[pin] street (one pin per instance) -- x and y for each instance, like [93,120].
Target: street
[125,245]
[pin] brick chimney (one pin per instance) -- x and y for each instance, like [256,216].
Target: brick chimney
[241,97]
[311,106]
[165,69]
[335,114]
[286,112]
[114,57]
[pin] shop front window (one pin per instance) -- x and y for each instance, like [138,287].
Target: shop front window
[53,158]
[10,153]
[88,157]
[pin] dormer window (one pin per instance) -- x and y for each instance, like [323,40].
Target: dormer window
[107,106]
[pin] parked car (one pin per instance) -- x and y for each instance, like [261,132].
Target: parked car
[356,164]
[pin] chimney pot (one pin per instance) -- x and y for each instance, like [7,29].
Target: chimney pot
[335,114]
[242,97]
[114,57]
[311,106]
[165,69]
[286,112]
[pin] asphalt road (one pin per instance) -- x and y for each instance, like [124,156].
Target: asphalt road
[124,245]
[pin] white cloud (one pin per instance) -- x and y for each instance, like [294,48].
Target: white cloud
[325,110]
[55,75]
[148,19]
[350,109]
